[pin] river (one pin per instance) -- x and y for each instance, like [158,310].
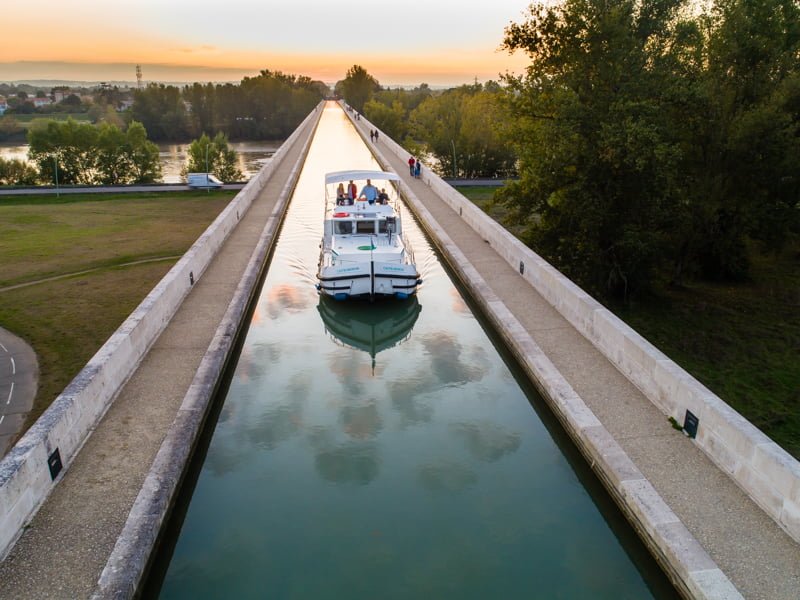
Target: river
[252,156]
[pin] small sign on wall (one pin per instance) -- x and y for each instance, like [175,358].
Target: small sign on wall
[54,462]
[690,424]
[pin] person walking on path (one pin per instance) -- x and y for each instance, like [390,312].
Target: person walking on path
[371,135]
[417,168]
[411,165]
[376,136]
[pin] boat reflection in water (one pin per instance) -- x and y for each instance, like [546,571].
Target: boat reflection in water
[371,328]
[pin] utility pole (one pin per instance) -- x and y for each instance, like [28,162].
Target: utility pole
[55,167]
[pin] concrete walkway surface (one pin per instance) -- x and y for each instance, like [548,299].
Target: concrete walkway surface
[63,551]
[759,558]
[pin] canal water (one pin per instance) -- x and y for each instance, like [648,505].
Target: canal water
[385,451]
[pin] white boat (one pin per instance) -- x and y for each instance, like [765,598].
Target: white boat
[363,251]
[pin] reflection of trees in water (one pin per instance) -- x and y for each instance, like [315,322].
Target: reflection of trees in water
[445,476]
[485,440]
[353,462]
[361,421]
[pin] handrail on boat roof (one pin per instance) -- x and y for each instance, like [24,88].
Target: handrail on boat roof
[343,176]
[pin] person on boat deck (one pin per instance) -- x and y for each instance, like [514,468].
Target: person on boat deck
[341,197]
[352,192]
[383,197]
[369,192]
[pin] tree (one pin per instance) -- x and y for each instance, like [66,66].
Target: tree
[126,157]
[357,87]
[598,159]
[91,155]
[161,110]
[17,172]
[389,119]
[460,128]
[69,143]
[221,160]
[9,128]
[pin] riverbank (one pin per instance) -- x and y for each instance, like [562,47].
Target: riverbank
[252,155]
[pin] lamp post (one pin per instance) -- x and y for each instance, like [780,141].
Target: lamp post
[55,168]
[208,189]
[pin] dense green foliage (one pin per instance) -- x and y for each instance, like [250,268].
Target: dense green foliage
[460,128]
[357,87]
[88,154]
[17,172]
[9,128]
[213,156]
[268,106]
[651,142]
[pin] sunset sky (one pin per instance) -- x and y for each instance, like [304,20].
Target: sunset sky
[439,42]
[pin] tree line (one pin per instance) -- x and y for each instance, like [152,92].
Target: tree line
[458,127]
[268,106]
[654,140]
[78,153]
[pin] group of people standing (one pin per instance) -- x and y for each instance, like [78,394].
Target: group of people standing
[414,167]
[369,193]
[373,136]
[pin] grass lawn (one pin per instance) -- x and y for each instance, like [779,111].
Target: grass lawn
[67,320]
[742,341]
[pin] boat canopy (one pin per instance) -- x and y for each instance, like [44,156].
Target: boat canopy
[343,176]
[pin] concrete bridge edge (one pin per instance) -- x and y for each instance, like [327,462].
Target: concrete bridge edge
[127,566]
[688,565]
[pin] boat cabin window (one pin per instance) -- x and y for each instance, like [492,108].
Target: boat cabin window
[342,227]
[365,226]
[382,227]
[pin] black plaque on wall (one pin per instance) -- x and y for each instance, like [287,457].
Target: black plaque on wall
[54,462]
[690,424]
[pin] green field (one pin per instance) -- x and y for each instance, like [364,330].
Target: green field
[740,340]
[67,320]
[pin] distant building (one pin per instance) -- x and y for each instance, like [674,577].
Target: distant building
[60,93]
[39,102]
[3,105]
[125,105]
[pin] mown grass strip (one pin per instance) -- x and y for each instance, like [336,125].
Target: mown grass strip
[66,320]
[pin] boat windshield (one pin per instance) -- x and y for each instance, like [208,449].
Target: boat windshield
[365,227]
[342,227]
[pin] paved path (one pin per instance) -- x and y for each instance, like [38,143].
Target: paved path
[63,552]
[757,556]
[19,376]
[106,189]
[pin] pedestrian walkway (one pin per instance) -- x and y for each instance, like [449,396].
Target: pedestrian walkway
[63,551]
[759,558]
